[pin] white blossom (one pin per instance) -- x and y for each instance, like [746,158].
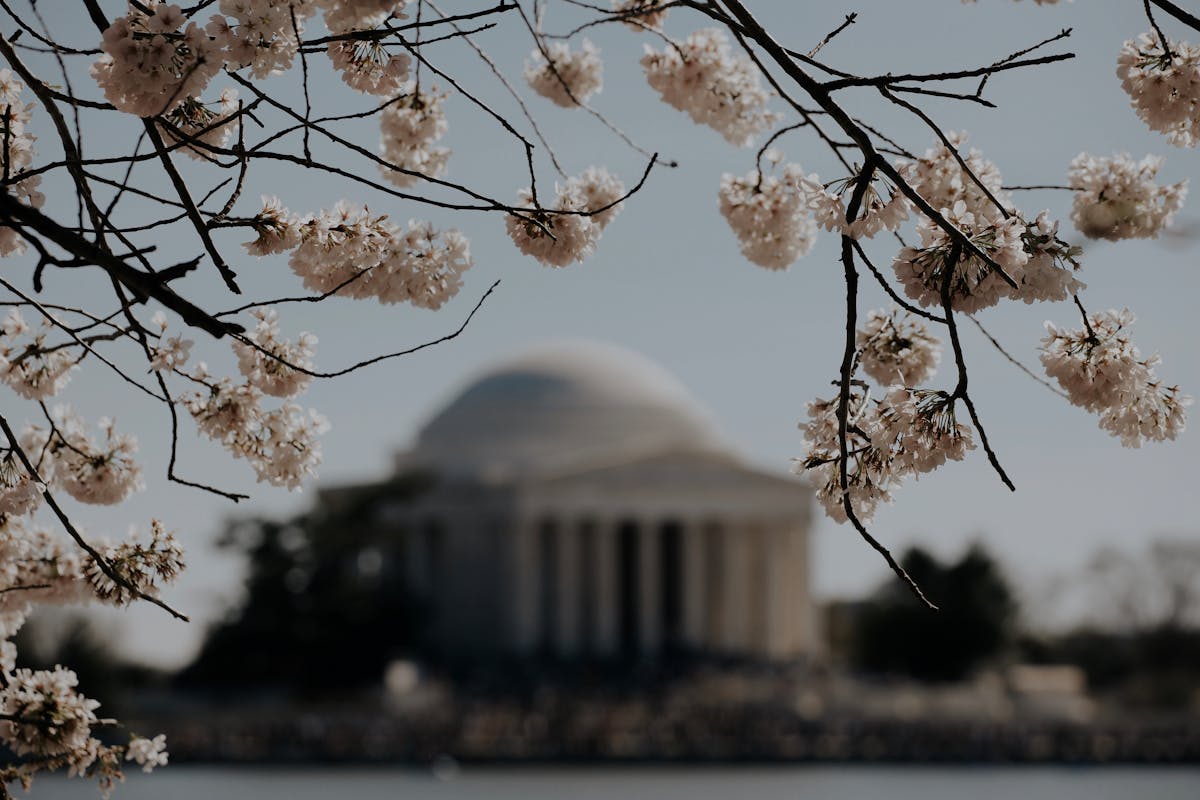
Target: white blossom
[1102,371]
[274,374]
[870,477]
[875,213]
[602,194]
[563,76]
[566,232]
[974,284]
[1049,274]
[171,352]
[290,448]
[347,15]
[20,492]
[33,368]
[410,127]
[1163,89]
[153,63]
[139,569]
[641,14]
[768,216]
[367,66]
[356,254]
[1117,198]
[59,718]
[281,445]
[940,179]
[202,124]
[149,753]
[277,230]
[35,565]
[99,473]
[919,430]
[702,77]
[16,153]
[263,34]
[224,412]
[897,348]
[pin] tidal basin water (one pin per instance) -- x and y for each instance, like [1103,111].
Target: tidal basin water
[653,783]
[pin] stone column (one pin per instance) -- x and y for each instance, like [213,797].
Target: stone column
[780,592]
[736,569]
[758,590]
[605,584]
[569,612]
[695,633]
[805,629]
[715,585]
[649,589]
[526,589]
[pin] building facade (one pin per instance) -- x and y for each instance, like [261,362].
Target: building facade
[585,506]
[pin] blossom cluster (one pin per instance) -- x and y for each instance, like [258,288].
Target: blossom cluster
[768,216]
[1102,371]
[132,569]
[269,362]
[260,34]
[98,472]
[973,283]
[357,254]
[1163,86]
[52,724]
[702,77]
[364,63]
[20,492]
[29,365]
[46,718]
[1040,264]
[153,62]
[200,123]
[569,231]
[410,127]
[1117,198]
[895,348]
[641,14]
[939,178]
[171,352]
[563,76]
[282,445]
[908,433]
[16,153]
[828,205]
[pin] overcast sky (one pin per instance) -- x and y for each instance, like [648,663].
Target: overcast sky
[668,281]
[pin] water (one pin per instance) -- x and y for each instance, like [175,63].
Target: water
[653,783]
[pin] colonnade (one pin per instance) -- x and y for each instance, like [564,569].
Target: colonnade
[630,587]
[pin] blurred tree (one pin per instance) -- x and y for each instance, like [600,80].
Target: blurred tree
[1141,646]
[975,622]
[326,605]
[50,638]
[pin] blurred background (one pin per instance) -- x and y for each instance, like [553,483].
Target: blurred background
[570,535]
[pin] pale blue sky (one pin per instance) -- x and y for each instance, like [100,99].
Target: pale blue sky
[668,281]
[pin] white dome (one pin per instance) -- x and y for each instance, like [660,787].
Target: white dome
[564,405]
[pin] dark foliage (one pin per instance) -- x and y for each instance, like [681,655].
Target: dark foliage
[326,605]
[895,634]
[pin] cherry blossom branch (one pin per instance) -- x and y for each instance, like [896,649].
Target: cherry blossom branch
[1015,361]
[960,361]
[1187,18]
[73,532]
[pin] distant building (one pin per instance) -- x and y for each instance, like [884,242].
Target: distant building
[586,507]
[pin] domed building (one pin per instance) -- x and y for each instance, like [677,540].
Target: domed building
[586,506]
